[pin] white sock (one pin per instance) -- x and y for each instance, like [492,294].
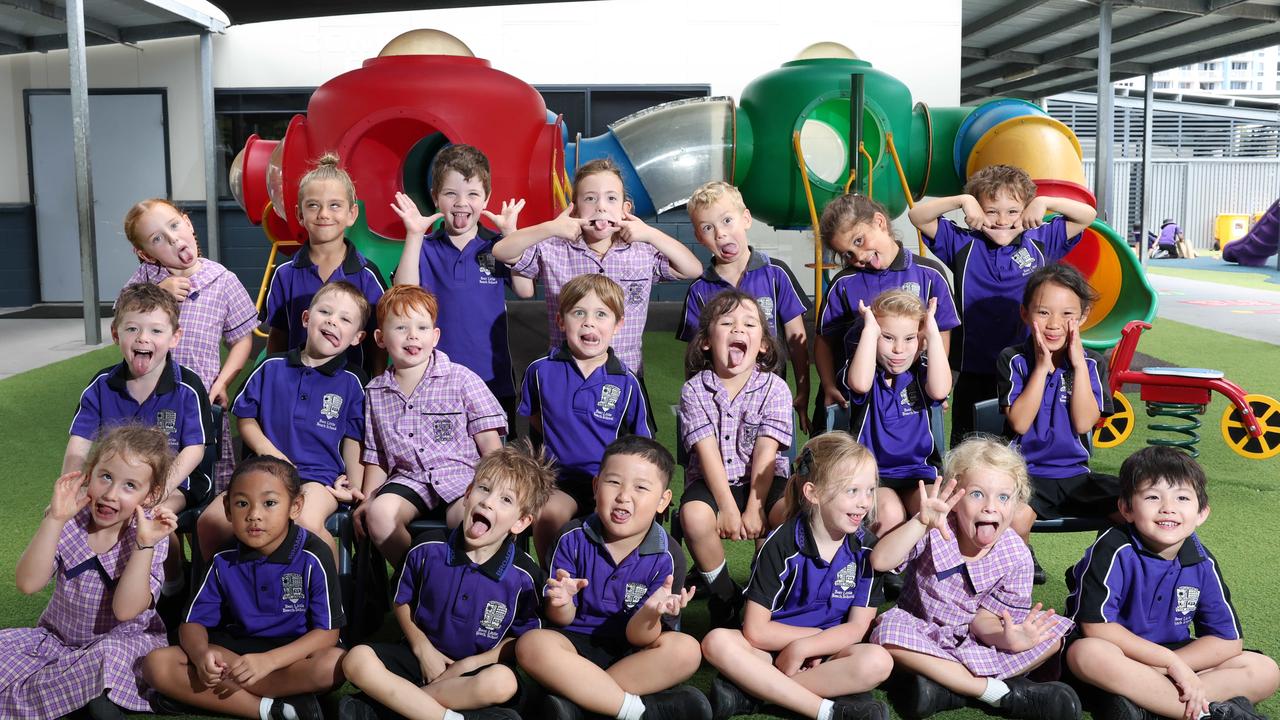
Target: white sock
[1202,715]
[711,575]
[996,690]
[170,588]
[451,715]
[264,708]
[632,708]
[288,711]
[827,710]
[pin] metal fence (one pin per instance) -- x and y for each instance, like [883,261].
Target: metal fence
[1191,191]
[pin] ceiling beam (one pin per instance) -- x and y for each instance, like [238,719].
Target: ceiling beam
[49,11]
[1223,8]
[1070,20]
[1020,62]
[13,40]
[999,15]
[1217,31]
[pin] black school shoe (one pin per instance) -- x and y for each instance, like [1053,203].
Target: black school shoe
[892,584]
[101,708]
[1037,572]
[678,703]
[1028,700]
[1119,707]
[1237,708]
[556,707]
[922,697]
[306,705]
[490,713]
[727,699]
[859,707]
[354,707]
[165,705]
[725,602]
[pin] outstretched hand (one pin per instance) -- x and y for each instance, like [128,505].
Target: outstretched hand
[632,229]
[1020,636]
[562,588]
[667,602]
[152,530]
[566,225]
[505,220]
[936,503]
[414,223]
[931,317]
[68,496]
[869,322]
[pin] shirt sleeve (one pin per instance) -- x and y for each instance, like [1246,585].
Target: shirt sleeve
[869,590]
[565,557]
[247,403]
[662,270]
[529,604]
[324,596]
[197,414]
[1011,593]
[948,240]
[88,418]
[945,314]
[1053,239]
[1098,382]
[636,419]
[530,263]
[482,409]
[156,579]
[372,454]
[355,424]
[915,552]
[837,316]
[276,311]
[1011,376]
[241,316]
[530,403]
[776,414]
[688,327]
[411,576]
[695,423]
[770,573]
[1099,580]
[1215,616]
[206,603]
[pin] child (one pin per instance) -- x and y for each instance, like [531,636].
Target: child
[462,599]
[306,406]
[811,599]
[857,229]
[720,222]
[964,623]
[427,421]
[326,208]
[598,234]
[456,261]
[107,559]
[1006,241]
[894,377]
[734,417]
[214,305]
[1140,653]
[258,640]
[1052,391]
[579,398]
[611,601]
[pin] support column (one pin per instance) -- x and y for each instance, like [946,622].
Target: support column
[1103,152]
[211,236]
[84,181]
[1148,100]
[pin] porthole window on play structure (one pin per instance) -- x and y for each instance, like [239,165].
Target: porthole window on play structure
[824,133]
[417,170]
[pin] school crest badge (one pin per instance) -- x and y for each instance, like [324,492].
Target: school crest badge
[331,405]
[635,293]
[911,287]
[847,577]
[486,263]
[494,613]
[1188,597]
[442,429]
[749,434]
[167,421]
[765,303]
[634,594]
[292,593]
[1024,261]
[609,396]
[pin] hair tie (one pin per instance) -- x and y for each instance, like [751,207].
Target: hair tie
[804,463]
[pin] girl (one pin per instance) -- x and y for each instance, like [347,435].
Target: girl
[962,623]
[259,637]
[735,414]
[811,598]
[213,304]
[858,230]
[326,208]
[108,558]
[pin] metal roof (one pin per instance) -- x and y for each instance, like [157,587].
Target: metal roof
[1036,48]
[252,11]
[41,25]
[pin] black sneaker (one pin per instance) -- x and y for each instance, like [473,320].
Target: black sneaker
[354,707]
[925,697]
[727,699]
[1119,707]
[556,707]
[859,707]
[1029,700]
[1237,708]
[306,705]
[1037,572]
[165,705]
[678,703]
[490,713]
[725,602]
[101,708]
[892,584]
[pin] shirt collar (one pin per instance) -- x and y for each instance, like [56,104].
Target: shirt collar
[713,382]
[984,572]
[755,261]
[902,261]
[330,368]
[282,555]
[118,378]
[809,547]
[1191,552]
[352,262]
[483,234]
[655,540]
[494,567]
[612,365]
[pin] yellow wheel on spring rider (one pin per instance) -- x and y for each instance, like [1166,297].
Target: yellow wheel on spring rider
[1267,411]
[1117,428]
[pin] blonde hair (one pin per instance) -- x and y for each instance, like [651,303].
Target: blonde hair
[817,464]
[327,169]
[597,167]
[605,288]
[141,442]
[898,303]
[711,193]
[980,451]
[134,216]
[530,473]
[342,287]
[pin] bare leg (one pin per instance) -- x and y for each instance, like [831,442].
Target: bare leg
[666,662]
[890,512]
[388,521]
[1022,521]
[173,561]
[1249,674]
[317,505]
[366,672]
[494,685]
[947,673]
[702,535]
[551,659]
[857,668]
[559,509]
[213,529]
[170,671]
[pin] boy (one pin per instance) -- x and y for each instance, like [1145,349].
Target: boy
[611,601]
[306,406]
[456,261]
[462,599]
[428,421]
[579,398]
[1139,589]
[1006,241]
[720,222]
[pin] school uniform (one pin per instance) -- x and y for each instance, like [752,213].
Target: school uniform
[252,602]
[78,649]
[615,591]
[217,310]
[306,411]
[1058,458]
[425,441]
[989,282]
[943,592]
[295,282]
[178,407]
[801,589]
[1120,580]
[582,415]
[891,420]
[762,408]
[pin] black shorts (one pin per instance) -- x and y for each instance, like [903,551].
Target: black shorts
[581,492]
[602,651]
[970,388]
[509,405]
[197,490]
[1086,495]
[424,513]
[909,484]
[398,658]
[648,404]
[247,645]
[699,492]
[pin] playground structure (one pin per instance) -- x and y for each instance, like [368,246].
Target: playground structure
[1261,242]
[801,134]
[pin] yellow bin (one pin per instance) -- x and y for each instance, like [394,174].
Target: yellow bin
[1228,228]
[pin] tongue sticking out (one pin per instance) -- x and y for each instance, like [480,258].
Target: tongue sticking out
[140,364]
[985,533]
[729,249]
[737,353]
[185,256]
[460,220]
[479,526]
[600,225]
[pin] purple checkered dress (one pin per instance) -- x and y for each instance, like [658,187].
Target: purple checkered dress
[218,309]
[78,649]
[943,593]
[762,407]
[635,266]
[424,441]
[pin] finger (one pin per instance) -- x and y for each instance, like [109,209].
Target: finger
[666,584]
[518,206]
[568,211]
[562,574]
[490,215]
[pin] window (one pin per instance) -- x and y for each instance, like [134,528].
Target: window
[1209,66]
[1161,85]
[590,109]
[1239,85]
[1239,64]
[241,112]
[1184,85]
[1208,86]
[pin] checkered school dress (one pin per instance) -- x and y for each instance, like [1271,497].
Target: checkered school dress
[943,593]
[78,649]
[218,309]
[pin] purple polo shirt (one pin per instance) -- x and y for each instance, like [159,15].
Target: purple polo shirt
[425,440]
[295,281]
[615,591]
[892,421]
[282,595]
[635,266]
[581,416]
[306,411]
[470,284]
[178,406]
[1119,580]
[989,282]
[799,588]
[762,407]
[769,281]
[840,320]
[463,608]
[1051,446]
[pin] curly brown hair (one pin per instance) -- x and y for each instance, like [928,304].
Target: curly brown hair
[529,472]
[990,181]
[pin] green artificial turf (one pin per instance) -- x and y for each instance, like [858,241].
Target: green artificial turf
[35,409]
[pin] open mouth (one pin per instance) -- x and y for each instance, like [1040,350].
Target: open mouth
[1167,524]
[589,339]
[737,352]
[729,250]
[985,532]
[478,526]
[185,256]
[140,363]
[855,519]
[603,225]
[105,512]
[619,516]
[460,220]
[412,350]
[332,337]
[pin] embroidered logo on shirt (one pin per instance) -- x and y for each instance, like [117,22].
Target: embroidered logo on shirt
[765,303]
[332,405]
[487,264]
[908,400]
[911,287]
[635,293]
[609,395]
[749,434]
[167,421]
[1024,260]
[494,613]
[292,593]
[442,429]
[635,593]
[1188,598]
[846,580]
